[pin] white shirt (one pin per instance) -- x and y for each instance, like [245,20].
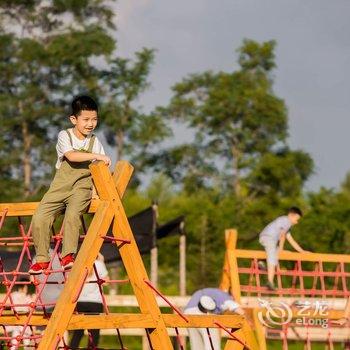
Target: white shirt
[273,230]
[91,292]
[21,298]
[64,145]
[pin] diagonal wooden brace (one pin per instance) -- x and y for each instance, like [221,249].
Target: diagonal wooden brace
[87,254]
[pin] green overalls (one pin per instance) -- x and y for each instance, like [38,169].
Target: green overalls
[70,191]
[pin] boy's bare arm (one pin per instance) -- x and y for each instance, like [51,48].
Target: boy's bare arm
[76,156]
[294,244]
[282,240]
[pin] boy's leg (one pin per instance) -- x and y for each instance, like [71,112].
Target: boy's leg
[42,221]
[77,205]
[271,259]
[270,272]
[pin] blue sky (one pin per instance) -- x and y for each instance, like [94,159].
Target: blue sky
[313,59]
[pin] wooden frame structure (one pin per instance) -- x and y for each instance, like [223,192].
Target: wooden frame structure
[230,282]
[110,211]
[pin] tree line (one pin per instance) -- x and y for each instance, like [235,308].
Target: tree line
[236,171]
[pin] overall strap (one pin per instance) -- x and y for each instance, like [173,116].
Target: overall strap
[70,137]
[91,143]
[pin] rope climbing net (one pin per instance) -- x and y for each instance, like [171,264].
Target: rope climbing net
[310,294]
[41,323]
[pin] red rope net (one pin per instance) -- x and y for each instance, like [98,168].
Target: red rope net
[298,278]
[302,286]
[43,300]
[17,303]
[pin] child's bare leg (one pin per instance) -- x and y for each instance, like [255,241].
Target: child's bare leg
[270,272]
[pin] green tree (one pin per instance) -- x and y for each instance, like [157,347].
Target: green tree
[236,117]
[46,52]
[130,130]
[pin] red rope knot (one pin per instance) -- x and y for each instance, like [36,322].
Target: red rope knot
[14,273]
[19,338]
[6,283]
[100,281]
[57,237]
[36,282]
[32,305]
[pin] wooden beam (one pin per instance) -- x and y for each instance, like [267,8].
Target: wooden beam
[131,258]
[231,265]
[125,320]
[182,264]
[259,330]
[122,175]
[294,256]
[28,208]
[68,298]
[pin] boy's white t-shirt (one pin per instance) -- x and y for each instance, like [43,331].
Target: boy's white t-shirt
[64,145]
[91,292]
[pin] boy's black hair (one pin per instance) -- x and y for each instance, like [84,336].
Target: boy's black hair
[295,210]
[83,103]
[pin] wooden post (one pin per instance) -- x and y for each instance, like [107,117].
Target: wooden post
[154,250]
[259,330]
[182,265]
[230,277]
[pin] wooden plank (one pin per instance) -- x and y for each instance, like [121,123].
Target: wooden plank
[28,208]
[231,242]
[122,175]
[131,258]
[225,277]
[249,336]
[294,256]
[127,320]
[85,259]
[182,265]
[203,321]
[113,321]
[259,330]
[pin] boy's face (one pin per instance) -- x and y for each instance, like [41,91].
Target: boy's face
[85,122]
[294,218]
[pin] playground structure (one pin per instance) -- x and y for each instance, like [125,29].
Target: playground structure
[313,289]
[108,210]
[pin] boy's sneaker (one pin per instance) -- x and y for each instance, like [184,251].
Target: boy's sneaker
[38,268]
[270,286]
[67,261]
